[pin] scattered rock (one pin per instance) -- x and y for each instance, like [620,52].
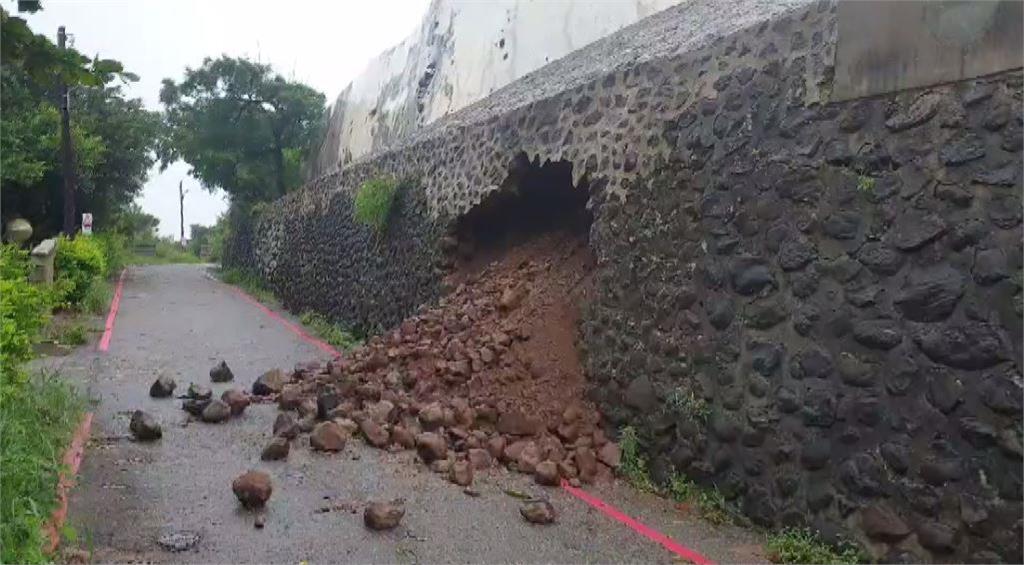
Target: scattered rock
[198,392]
[538,511]
[403,437]
[285,426]
[237,400]
[610,455]
[374,433]
[144,427]
[216,411]
[328,436]
[431,447]
[220,373]
[546,473]
[194,406]
[162,387]
[252,488]
[881,523]
[461,473]
[518,424]
[383,515]
[290,397]
[479,458]
[277,449]
[269,383]
[259,521]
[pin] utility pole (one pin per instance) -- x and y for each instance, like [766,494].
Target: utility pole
[181,209]
[67,152]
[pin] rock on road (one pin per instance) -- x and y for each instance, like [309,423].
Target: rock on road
[175,320]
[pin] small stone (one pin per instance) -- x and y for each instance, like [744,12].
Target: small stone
[383,515]
[285,426]
[431,416]
[252,488]
[610,455]
[479,458]
[144,427]
[877,334]
[751,275]
[374,433]
[403,437]
[216,411]
[327,436]
[220,373]
[547,474]
[496,446]
[290,397]
[162,387]
[194,406]
[431,447]
[538,511]
[269,383]
[461,473]
[236,399]
[259,521]
[177,541]
[937,537]
[198,392]
[930,294]
[277,449]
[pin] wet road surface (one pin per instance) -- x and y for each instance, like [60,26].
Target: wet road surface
[175,320]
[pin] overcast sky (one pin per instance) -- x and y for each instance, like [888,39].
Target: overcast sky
[322,43]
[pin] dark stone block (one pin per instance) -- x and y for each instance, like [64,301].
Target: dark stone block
[964,149]
[812,363]
[815,454]
[751,275]
[968,346]
[854,371]
[937,537]
[990,266]
[896,456]
[819,409]
[877,334]
[880,258]
[640,395]
[766,314]
[796,253]
[930,294]
[842,225]
[914,230]
[766,357]
[881,522]
[720,313]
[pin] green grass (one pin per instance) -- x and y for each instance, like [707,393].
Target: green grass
[69,334]
[688,405]
[165,253]
[249,283]
[373,202]
[633,465]
[97,296]
[709,502]
[36,423]
[803,546]
[333,334]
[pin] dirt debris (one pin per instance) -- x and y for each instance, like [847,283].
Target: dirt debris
[489,374]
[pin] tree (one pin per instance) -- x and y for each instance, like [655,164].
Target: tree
[114,138]
[241,127]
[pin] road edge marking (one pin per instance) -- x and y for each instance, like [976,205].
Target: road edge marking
[71,462]
[642,529]
[115,304]
[294,328]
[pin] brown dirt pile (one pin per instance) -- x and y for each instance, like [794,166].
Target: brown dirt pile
[492,371]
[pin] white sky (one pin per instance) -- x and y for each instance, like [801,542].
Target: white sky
[322,43]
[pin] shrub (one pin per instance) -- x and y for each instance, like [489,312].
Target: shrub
[14,263]
[78,262]
[332,333]
[97,296]
[115,251]
[24,311]
[373,202]
[36,423]
[633,465]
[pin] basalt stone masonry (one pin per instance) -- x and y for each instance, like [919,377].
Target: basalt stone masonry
[814,307]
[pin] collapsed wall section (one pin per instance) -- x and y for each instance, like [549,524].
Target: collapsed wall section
[814,307]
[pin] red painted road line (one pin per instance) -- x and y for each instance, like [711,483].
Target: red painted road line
[72,461]
[321,345]
[649,533]
[115,303]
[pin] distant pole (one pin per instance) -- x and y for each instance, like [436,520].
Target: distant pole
[181,209]
[67,152]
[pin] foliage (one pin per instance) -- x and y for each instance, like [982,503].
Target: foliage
[709,502]
[114,138]
[36,423]
[211,237]
[333,334]
[803,546]
[78,262]
[24,311]
[115,251]
[73,333]
[241,126]
[373,202]
[688,404]
[166,252]
[249,283]
[633,465]
[134,224]
[97,296]
[865,184]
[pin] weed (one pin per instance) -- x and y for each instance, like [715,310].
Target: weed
[710,503]
[249,283]
[97,296]
[333,334]
[688,404]
[70,334]
[866,184]
[793,545]
[165,252]
[373,202]
[36,423]
[633,465]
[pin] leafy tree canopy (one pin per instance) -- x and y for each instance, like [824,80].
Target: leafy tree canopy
[241,127]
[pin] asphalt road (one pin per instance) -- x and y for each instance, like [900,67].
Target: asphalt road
[177,321]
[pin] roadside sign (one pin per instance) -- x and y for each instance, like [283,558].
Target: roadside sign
[87,223]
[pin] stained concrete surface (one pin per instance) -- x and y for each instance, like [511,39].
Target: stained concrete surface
[175,320]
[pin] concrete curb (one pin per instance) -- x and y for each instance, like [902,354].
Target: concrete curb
[71,462]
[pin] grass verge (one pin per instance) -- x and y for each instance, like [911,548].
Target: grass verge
[164,253]
[37,420]
[250,284]
[332,333]
[794,545]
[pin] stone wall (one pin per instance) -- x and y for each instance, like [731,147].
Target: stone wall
[814,307]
